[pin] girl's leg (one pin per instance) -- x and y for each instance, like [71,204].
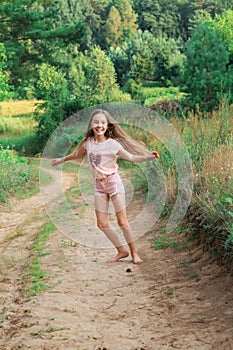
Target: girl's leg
[101,210]
[119,204]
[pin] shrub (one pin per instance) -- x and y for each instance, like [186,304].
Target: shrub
[25,145]
[14,174]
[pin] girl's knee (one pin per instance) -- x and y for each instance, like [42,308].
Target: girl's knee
[122,223]
[102,224]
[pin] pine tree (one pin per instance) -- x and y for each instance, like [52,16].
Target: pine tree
[32,35]
[113,27]
[128,17]
[205,67]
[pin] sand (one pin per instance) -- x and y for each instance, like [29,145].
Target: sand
[176,299]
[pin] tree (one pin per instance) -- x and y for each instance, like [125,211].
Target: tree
[100,76]
[52,87]
[141,51]
[160,17]
[186,10]
[145,57]
[205,67]
[32,35]
[224,23]
[113,27]
[5,90]
[168,62]
[128,18]
[121,61]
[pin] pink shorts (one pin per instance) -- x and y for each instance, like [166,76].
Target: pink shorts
[110,185]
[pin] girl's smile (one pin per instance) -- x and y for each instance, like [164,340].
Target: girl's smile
[99,124]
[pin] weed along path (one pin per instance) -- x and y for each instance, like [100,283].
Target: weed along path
[55,294]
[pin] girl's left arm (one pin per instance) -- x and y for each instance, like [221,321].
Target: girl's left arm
[135,158]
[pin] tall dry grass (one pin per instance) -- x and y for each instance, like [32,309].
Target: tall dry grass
[209,144]
[13,108]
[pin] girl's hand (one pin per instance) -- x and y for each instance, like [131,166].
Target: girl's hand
[155,154]
[57,161]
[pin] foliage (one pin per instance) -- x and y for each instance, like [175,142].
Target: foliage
[168,62]
[157,16]
[128,18]
[5,90]
[151,95]
[32,35]
[140,52]
[52,86]
[35,279]
[205,71]
[145,40]
[101,79]
[16,125]
[113,27]
[15,173]
[209,143]
[145,57]
[25,145]
[224,23]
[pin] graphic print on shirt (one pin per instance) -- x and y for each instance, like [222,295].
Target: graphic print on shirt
[95,159]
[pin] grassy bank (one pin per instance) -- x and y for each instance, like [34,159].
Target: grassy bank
[209,218]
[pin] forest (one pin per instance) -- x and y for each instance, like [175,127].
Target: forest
[106,50]
[173,56]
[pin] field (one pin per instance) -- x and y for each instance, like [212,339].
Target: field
[16,108]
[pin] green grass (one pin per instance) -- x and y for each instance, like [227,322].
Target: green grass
[19,176]
[14,126]
[17,126]
[42,332]
[45,178]
[165,242]
[36,278]
[70,167]
[152,95]
[15,174]
[15,235]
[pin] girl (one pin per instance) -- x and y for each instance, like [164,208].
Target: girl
[103,143]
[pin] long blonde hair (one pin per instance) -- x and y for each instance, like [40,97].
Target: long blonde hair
[116,132]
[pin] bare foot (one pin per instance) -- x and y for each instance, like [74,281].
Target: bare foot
[137,260]
[120,255]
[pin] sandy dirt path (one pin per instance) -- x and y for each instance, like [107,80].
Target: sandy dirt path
[177,299]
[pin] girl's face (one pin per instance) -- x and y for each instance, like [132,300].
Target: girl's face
[99,124]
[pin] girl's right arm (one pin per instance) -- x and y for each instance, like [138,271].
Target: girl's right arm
[78,153]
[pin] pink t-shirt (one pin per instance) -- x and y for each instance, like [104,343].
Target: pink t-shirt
[103,156]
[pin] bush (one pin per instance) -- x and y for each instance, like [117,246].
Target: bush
[15,173]
[26,145]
